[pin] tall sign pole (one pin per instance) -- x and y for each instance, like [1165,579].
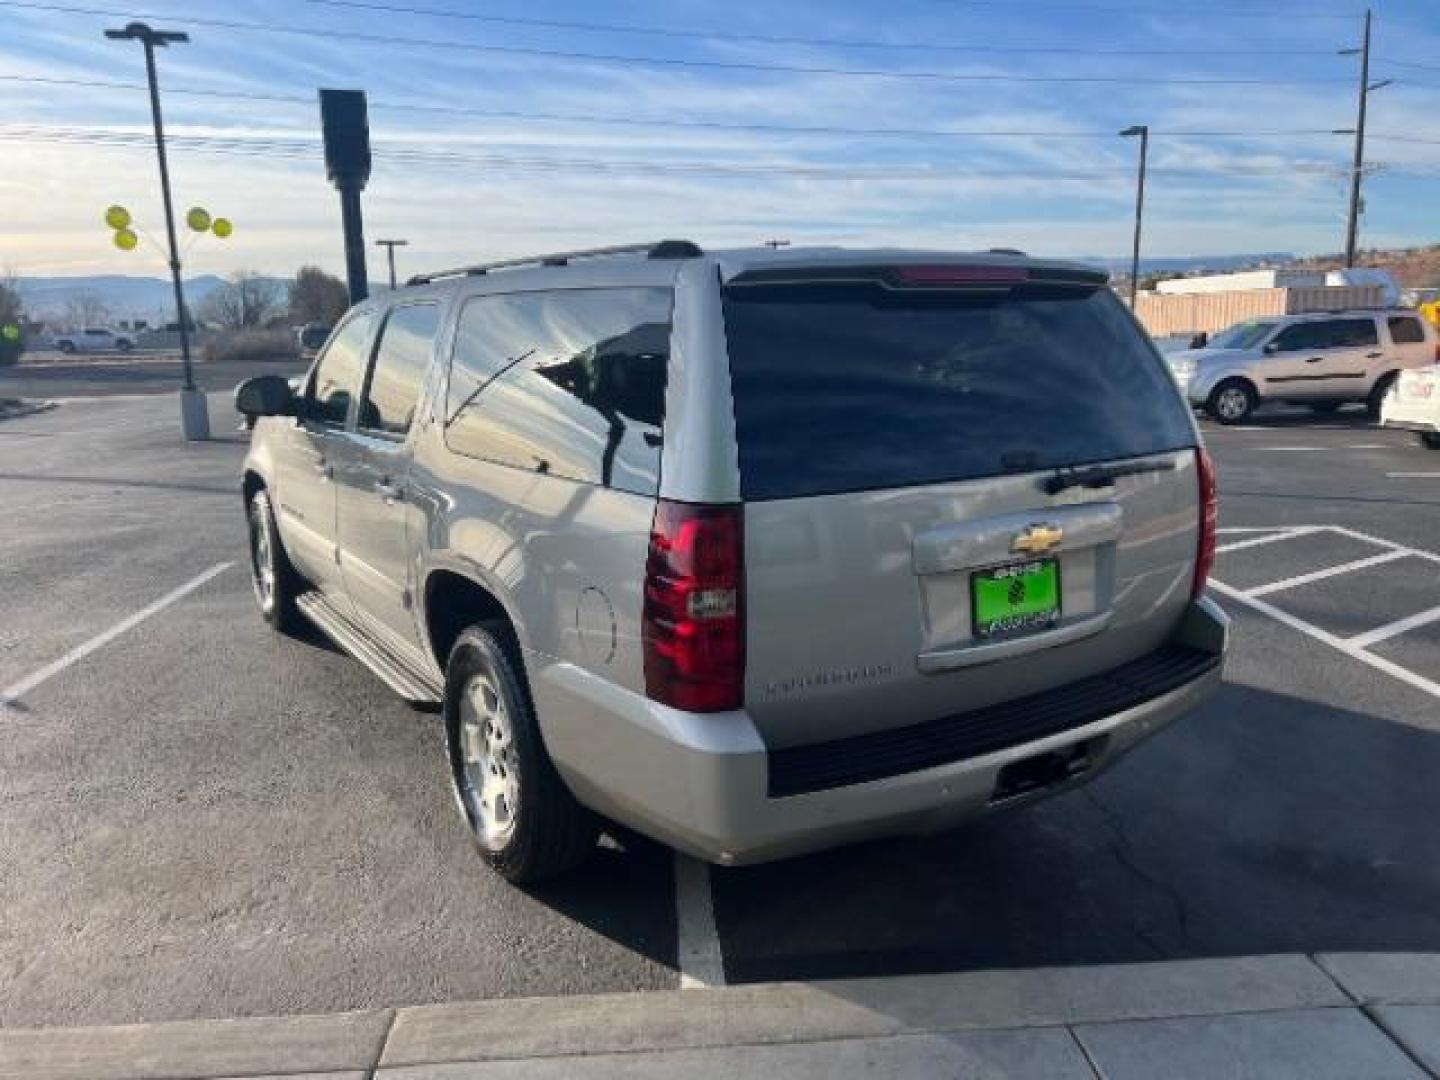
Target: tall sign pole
[346,125]
[194,412]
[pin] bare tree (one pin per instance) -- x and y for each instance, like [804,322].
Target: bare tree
[246,300]
[85,308]
[317,297]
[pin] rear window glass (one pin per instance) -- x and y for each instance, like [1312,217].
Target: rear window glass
[569,383]
[857,387]
[1406,331]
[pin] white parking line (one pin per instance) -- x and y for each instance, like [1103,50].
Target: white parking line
[697,943]
[1356,646]
[1399,626]
[1369,446]
[1329,571]
[1405,675]
[1272,449]
[1413,475]
[16,691]
[1269,538]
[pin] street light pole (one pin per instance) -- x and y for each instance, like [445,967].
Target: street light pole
[1357,168]
[194,413]
[390,246]
[1142,130]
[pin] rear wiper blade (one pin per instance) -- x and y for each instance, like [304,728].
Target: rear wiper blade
[1094,476]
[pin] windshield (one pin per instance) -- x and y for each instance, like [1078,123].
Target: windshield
[859,387]
[1245,335]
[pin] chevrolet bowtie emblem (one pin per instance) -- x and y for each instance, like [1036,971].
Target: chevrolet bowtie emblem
[1037,539]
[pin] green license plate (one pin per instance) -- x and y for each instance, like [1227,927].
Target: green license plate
[1016,599]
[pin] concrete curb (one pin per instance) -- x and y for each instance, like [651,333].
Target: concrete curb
[1402,988]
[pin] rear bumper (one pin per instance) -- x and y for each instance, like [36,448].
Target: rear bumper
[703,783]
[1410,416]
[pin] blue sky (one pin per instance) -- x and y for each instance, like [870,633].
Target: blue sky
[1236,166]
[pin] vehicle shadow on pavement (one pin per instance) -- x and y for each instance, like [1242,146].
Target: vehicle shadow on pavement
[1263,823]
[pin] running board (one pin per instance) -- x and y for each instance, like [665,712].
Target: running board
[416,687]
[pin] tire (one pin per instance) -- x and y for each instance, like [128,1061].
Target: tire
[274,580]
[1377,394]
[125,346]
[1428,439]
[66,347]
[525,823]
[1325,408]
[1232,402]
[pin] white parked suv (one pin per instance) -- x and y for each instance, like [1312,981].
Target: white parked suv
[1320,360]
[94,339]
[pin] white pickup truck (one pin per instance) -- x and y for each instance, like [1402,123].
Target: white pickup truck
[1414,405]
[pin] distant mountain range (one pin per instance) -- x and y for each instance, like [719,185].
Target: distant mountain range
[151,298]
[121,295]
[1183,264]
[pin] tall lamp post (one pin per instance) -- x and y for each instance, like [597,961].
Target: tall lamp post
[194,413]
[1143,131]
[390,246]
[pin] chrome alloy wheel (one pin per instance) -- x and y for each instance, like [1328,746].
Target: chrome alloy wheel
[262,562]
[489,762]
[1232,403]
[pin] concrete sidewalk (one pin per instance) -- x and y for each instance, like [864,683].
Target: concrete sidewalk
[1350,1016]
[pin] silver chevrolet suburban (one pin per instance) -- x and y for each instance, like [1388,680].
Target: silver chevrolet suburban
[752,551]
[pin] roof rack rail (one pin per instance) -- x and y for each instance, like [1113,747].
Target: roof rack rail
[1006,251]
[655,249]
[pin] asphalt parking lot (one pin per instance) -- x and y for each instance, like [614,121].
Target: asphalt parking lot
[199,818]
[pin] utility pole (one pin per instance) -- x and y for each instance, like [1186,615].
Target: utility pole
[390,246]
[1143,131]
[194,411]
[1357,168]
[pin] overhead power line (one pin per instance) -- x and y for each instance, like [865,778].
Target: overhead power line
[689,34]
[1407,64]
[703,125]
[392,41]
[309,148]
[1173,12]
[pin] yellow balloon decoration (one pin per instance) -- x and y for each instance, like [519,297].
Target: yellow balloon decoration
[117,217]
[125,239]
[222,227]
[198,218]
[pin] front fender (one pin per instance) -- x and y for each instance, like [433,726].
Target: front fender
[1205,380]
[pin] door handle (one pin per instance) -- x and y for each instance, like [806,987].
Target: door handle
[1373,355]
[1314,359]
[389,491]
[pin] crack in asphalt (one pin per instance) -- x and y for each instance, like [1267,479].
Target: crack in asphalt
[1122,848]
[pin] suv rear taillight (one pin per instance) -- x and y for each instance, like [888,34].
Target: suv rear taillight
[1209,520]
[693,623]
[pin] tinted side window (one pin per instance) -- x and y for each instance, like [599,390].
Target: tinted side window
[340,371]
[1301,336]
[570,383]
[857,387]
[401,362]
[1353,333]
[1406,331]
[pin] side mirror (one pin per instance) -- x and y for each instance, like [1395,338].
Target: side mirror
[266,395]
[1271,349]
